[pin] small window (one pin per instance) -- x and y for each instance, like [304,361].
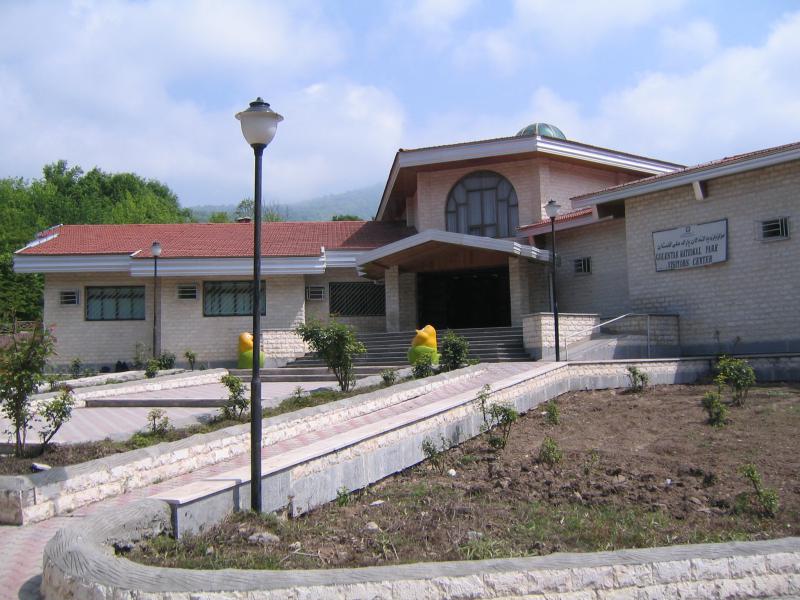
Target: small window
[315,292]
[775,229]
[357,299]
[187,291]
[69,297]
[583,266]
[115,303]
[231,298]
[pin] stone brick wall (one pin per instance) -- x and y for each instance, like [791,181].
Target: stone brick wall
[748,303]
[664,329]
[320,309]
[538,335]
[94,342]
[605,289]
[282,344]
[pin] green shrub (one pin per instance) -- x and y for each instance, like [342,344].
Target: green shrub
[765,499]
[342,496]
[337,345]
[738,375]
[717,411]
[75,367]
[434,454]
[166,360]
[191,357]
[55,412]
[495,416]
[237,403]
[549,452]
[454,351]
[552,413]
[158,421]
[151,370]
[638,379]
[389,377]
[120,366]
[423,367]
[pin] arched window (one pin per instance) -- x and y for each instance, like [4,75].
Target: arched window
[483,203]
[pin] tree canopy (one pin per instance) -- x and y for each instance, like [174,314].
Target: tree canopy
[67,195]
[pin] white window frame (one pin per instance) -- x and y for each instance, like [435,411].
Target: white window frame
[582,265]
[315,293]
[782,225]
[64,293]
[184,287]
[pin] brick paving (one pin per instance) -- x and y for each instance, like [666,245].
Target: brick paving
[21,547]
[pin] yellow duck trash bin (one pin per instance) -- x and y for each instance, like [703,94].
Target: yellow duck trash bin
[424,343]
[246,352]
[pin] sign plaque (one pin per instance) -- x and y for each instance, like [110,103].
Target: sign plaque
[691,246]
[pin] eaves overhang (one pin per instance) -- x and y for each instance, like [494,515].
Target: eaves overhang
[685,177]
[516,146]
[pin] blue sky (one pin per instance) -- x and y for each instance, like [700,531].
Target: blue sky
[151,87]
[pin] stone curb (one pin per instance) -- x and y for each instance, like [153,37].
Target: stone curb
[79,563]
[30,498]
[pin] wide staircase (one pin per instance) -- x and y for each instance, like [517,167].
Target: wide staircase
[388,351]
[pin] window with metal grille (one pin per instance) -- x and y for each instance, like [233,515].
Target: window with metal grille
[315,292]
[357,299]
[115,303]
[483,203]
[583,266]
[775,229]
[69,297]
[187,291]
[231,298]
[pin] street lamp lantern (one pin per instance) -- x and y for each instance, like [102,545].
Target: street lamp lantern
[155,250]
[552,208]
[259,124]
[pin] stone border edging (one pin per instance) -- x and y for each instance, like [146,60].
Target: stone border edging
[78,564]
[31,498]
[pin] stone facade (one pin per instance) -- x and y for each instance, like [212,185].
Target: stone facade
[745,304]
[538,333]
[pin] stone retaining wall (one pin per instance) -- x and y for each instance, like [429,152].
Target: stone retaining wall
[30,498]
[79,563]
[538,335]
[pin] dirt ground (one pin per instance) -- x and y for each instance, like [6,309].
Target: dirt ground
[637,470]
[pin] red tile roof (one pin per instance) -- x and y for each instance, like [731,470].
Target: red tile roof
[575,214]
[202,240]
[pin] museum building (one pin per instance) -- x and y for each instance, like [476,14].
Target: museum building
[460,239]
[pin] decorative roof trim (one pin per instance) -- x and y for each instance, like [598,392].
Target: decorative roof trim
[518,145]
[545,227]
[456,239]
[688,176]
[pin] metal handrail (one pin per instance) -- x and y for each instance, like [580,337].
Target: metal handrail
[604,323]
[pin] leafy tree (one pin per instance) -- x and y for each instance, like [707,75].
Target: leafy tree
[22,363]
[337,345]
[219,217]
[245,209]
[345,218]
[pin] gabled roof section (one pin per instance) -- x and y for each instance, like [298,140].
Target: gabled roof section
[407,162]
[215,240]
[697,174]
[574,218]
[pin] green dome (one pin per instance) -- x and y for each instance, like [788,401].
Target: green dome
[543,129]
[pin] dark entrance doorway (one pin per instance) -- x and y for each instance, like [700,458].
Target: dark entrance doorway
[461,299]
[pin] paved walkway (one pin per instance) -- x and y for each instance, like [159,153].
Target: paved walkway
[88,424]
[21,547]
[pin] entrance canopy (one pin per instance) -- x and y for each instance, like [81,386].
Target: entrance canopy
[436,250]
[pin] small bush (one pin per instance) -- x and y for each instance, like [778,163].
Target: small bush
[717,411]
[389,377]
[121,366]
[502,417]
[237,403]
[75,367]
[434,454]
[166,360]
[551,413]
[55,412]
[454,350]
[765,499]
[592,461]
[738,375]
[342,496]
[191,357]
[151,370]
[423,367]
[638,379]
[549,452]
[337,345]
[158,421]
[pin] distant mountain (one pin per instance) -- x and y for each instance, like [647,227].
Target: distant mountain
[362,202]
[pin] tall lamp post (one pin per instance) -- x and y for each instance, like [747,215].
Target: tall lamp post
[155,250]
[552,208]
[259,123]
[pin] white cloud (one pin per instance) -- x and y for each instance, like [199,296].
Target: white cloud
[437,14]
[743,99]
[697,39]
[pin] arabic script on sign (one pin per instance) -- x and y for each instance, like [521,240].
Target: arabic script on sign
[691,246]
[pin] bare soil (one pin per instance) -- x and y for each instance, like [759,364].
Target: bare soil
[638,470]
